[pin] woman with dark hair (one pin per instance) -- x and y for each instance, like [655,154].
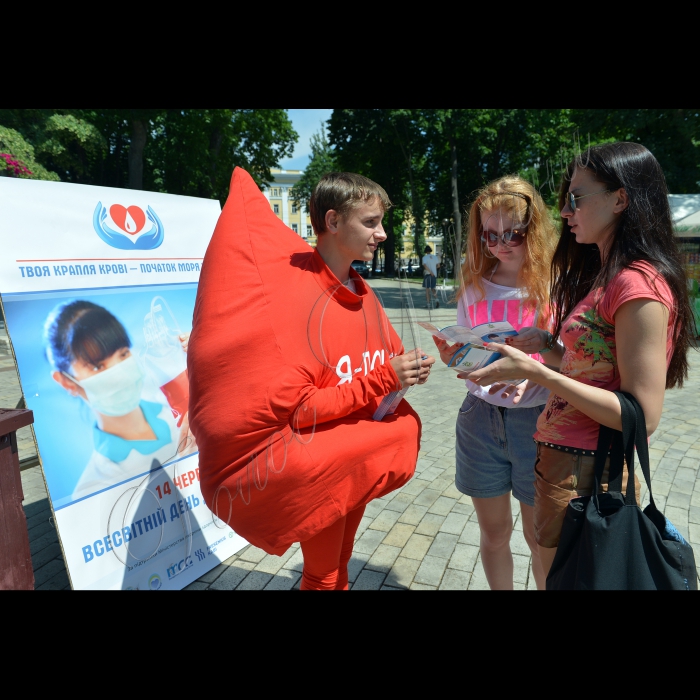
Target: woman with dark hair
[622,312]
[90,352]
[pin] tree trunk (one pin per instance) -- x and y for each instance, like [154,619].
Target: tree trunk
[389,245]
[456,213]
[215,142]
[138,143]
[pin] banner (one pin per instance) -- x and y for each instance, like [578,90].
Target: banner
[98,287]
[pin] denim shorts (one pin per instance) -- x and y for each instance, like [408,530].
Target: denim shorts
[495,450]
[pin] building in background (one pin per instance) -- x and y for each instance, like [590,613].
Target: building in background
[279,194]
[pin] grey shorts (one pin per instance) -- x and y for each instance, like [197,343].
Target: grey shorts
[429,281]
[495,450]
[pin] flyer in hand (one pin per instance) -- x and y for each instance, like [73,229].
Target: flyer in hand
[473,355]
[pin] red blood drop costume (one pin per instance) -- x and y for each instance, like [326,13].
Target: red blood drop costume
[286,368]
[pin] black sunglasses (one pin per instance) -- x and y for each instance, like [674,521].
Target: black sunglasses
[512,239]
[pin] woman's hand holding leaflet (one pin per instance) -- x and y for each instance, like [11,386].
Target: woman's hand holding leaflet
[446,350]
[529,339]
[513,366]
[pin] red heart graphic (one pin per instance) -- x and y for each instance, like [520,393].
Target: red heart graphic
[130,220]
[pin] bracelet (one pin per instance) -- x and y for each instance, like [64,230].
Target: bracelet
[549,344]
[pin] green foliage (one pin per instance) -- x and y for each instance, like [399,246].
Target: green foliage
[190,152]
[12,142]
[322,161]
[73,146]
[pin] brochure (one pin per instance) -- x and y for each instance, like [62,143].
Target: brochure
[473,355]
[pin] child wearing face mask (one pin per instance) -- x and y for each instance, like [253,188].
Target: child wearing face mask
[90,352]
[510,241]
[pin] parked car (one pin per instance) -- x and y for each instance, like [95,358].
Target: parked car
[361,267]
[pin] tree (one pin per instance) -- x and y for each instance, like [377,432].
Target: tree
[194,151]
[17,158]
[191,152]
[322,161]
[377,143]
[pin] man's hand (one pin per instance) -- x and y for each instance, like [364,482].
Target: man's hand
[411,369]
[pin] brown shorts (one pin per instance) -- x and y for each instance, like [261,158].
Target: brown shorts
[559,477]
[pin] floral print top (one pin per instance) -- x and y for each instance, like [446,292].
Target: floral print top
[590,354]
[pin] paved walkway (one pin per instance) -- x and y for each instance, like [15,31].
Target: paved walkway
[425,535]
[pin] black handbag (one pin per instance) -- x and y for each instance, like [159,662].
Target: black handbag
[607,541]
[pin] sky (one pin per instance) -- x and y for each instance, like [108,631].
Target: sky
[306,122]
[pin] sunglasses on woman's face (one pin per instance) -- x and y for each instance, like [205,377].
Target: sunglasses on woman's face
[512,239]
[571,199]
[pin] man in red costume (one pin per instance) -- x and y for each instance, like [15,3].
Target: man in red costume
[290,355]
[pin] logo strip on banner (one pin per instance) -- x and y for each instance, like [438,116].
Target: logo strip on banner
[103,366]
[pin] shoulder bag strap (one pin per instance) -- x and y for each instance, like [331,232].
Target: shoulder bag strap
[634,435]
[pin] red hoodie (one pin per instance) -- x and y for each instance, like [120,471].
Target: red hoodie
[286,368]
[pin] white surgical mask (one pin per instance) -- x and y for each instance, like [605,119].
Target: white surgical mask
[115,391]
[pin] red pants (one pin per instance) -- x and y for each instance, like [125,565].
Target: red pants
[327,554]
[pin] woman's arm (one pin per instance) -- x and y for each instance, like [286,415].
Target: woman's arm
[531,340]
[640,337]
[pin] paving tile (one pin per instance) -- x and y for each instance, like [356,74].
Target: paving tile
[402,572]
[521,568]
[471,533]
[455,580]
[283,580]
[454,523]
[413,514]
[390,588]
[48,571]
[464,557]
[399,535]
[233,576]
[462,508]
[431,570]
[416,547]
[683,486]
[442,505]
[383,558]
[426,498]
[369,541]
[356,564]
[369,581]
[400,503]
[253,554]
[415,486]
[680,500]
[385,520]
[59,582]
[272,564]
[197,585]
[254,581]
[443,545]
[422,587]
[430,525]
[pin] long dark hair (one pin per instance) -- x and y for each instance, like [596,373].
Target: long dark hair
[81,330]
[644,232]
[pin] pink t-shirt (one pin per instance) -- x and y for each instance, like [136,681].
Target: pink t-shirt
[590,354]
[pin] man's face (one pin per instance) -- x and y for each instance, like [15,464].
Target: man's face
[361,231]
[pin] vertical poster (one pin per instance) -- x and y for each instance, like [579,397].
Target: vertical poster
[98,287]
